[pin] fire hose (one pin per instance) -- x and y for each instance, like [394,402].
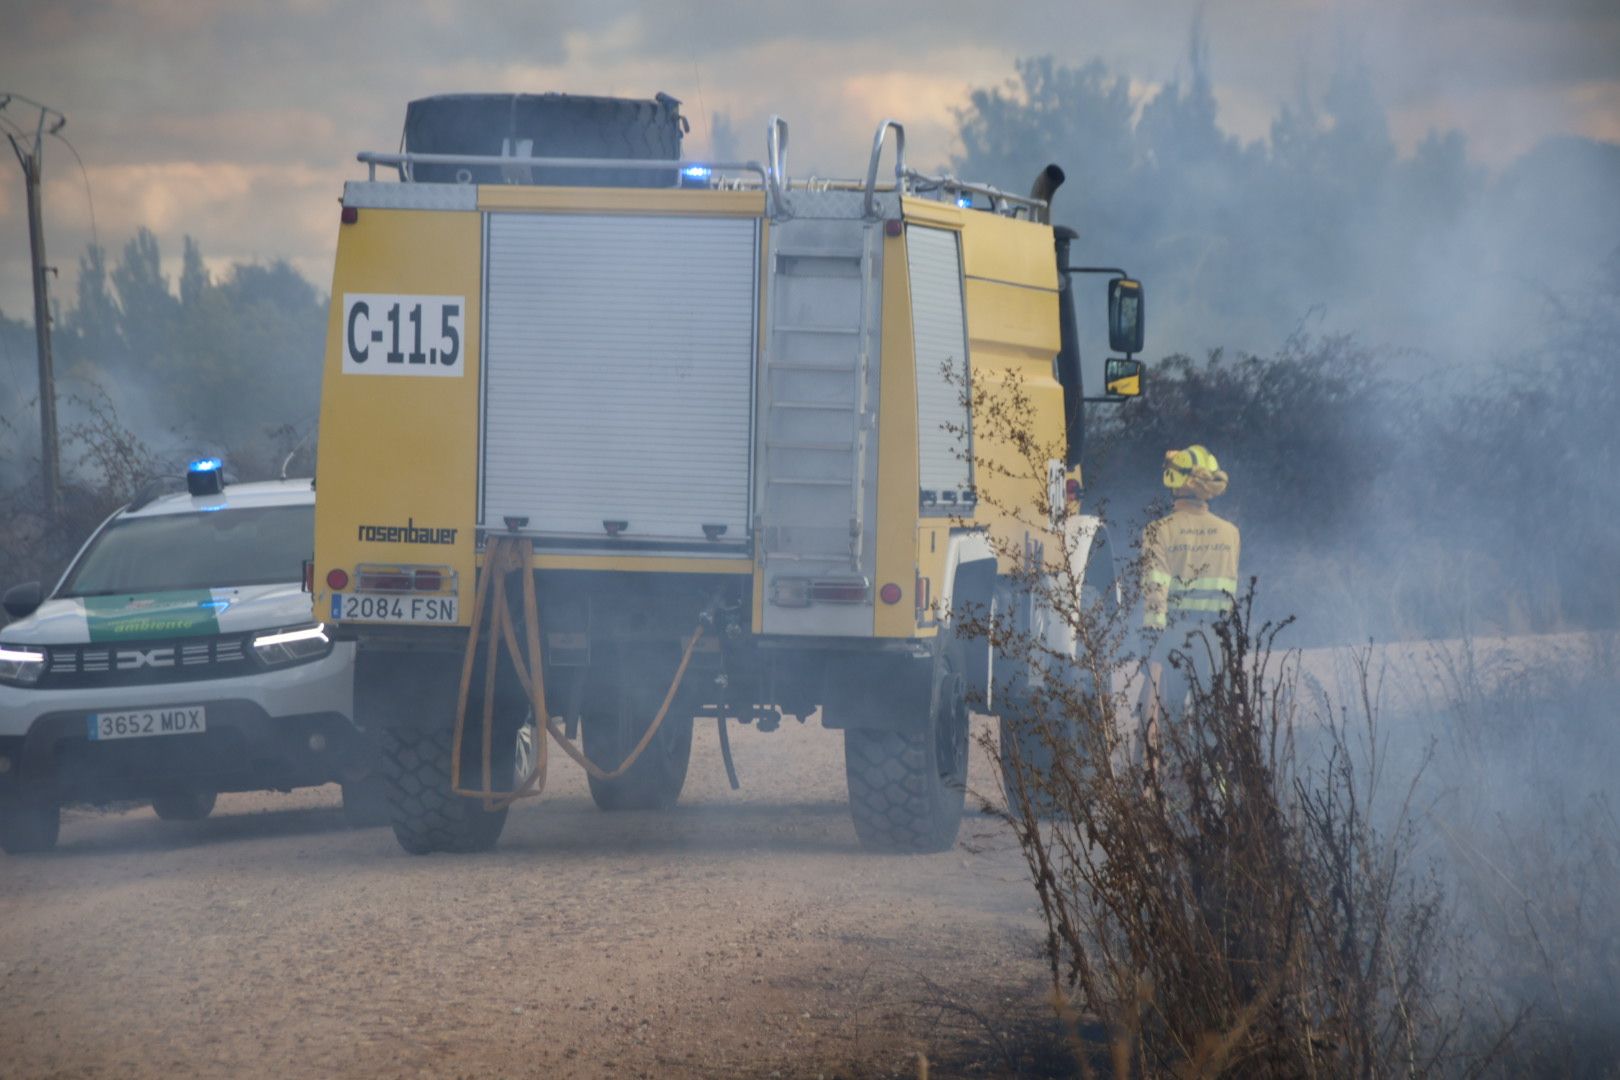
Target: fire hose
[503,556]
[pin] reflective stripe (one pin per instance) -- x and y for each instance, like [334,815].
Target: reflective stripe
[1179,595]
[1159,577]
[1180,604]
[1154,620]
[1213,584]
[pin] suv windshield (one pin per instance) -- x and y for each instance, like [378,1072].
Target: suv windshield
[209,550]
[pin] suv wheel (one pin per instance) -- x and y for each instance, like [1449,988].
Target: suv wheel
[29,828]
[184,805]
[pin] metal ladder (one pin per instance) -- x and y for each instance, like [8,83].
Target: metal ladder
[817,406]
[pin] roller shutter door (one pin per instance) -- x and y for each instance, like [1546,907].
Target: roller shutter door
[619,374]
[940,342]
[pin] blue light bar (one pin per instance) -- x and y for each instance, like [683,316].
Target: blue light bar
[965,201]
[205,476]
[697,172]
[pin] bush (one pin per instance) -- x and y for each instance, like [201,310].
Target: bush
[1220,901]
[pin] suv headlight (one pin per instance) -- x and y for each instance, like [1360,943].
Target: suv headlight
[293,645]
[21,665]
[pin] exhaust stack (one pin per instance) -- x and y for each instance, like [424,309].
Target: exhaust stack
[1046,185]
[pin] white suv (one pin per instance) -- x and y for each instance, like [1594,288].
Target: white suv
[176,659]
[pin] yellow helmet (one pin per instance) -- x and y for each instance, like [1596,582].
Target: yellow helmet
[1194,471]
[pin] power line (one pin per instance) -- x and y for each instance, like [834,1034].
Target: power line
[95,237]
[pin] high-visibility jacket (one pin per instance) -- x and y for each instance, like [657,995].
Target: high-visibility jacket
[1190,565]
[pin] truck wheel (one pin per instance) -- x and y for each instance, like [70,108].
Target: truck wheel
[1028,745]
[365,802]
[29,828]
[613,725]
[907,787]
[426,814]
[1026,762]
[184,805]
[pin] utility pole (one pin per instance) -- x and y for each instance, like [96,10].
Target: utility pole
[29,151]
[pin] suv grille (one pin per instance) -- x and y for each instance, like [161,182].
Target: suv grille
[135,663]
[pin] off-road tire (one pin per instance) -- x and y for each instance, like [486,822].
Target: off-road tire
[29,829]
[1026,760]
[1031,738]
[365,802]
[907,786]
[184,805]
[427,816]
[621,709]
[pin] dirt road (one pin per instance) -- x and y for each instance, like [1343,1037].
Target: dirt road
[744,934]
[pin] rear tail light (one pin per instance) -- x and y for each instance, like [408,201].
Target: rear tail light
[802,592]
[309,575]
[403,579]
[840,592]
[386,581]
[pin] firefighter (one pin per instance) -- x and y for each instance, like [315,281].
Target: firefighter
[1190,573]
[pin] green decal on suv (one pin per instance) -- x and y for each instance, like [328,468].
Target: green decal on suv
[187,613]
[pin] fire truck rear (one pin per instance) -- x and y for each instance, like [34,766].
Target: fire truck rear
[613,441]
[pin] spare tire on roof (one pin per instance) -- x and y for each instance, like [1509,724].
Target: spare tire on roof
[552,125]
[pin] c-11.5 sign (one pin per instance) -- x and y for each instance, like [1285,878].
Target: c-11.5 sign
[385,334]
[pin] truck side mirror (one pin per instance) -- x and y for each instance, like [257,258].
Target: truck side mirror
[1122,378]
[1125,316]
[22,601]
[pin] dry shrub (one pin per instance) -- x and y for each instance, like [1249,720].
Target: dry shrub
[103,465]
[1230,899]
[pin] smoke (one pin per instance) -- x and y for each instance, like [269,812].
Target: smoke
[1324,219]
[1410,366]
[1407,362]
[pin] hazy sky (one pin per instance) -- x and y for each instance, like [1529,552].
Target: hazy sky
[238,122]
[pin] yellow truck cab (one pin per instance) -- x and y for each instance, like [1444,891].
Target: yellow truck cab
[612,440]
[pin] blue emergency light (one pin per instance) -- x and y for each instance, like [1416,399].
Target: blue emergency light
[696,176]
[965,201]
[205,476]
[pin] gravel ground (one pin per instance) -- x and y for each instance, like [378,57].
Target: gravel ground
[743,934]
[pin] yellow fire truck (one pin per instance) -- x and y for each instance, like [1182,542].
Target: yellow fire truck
[611,441]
